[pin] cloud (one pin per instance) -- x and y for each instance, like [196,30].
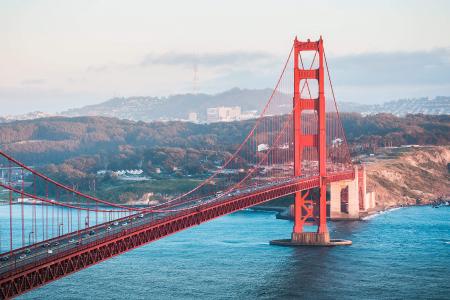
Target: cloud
[224,62]
[19,100]
[394,68]
[33,82]
[98,68]
[207,59]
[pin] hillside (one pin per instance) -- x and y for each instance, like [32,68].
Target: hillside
[59,138]
[73,150]
[176,107]
[368,133]
[436,106]
[173,107]
[417,176]
[53,140]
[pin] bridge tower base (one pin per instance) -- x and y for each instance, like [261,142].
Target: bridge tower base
[309,239]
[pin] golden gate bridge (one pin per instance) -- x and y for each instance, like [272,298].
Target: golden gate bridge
[296,145]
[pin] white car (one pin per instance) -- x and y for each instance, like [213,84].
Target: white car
[116,223]
[125,224]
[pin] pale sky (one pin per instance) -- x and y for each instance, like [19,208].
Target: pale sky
[59,54]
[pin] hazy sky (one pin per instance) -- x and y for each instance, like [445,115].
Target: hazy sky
[60,54]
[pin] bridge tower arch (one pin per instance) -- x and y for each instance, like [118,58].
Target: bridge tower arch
[317,140]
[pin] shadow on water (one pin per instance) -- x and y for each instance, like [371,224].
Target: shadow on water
[307,272]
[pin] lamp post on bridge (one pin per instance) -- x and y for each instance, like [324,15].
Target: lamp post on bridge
[29,238]
[59,229]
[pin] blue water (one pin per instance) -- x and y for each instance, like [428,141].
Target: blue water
[402,254]
[39,234]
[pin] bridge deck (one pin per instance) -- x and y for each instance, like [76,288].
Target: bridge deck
[71,255]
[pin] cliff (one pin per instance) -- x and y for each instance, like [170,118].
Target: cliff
[416,176]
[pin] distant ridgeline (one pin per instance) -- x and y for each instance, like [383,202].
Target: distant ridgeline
[177,107]
[437,106]
[181,107]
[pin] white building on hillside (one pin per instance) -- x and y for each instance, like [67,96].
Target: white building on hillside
[223,114]
[193,117]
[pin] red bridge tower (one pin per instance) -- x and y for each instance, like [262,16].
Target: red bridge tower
[318,140]
[305,210]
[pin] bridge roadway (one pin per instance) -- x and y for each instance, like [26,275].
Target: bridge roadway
[48,248]
[75,251]
[88,235]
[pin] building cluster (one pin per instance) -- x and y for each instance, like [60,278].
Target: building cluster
[223,114]
[137,173]
[193,117]
[14,176]
[438,106]
[228,114]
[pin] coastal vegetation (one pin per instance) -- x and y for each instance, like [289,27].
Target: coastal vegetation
[173,156]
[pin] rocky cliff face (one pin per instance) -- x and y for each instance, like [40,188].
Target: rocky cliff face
[417,176]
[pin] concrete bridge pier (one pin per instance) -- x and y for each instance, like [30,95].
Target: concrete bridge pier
[349,199]
[345,199]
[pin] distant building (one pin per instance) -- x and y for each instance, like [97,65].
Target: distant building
[136,172]
[438,106]
[119,173]
[250,114]
[101,172]
[262,147]
[223,114]
[193,117]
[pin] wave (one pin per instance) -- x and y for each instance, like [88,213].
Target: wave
[381,213]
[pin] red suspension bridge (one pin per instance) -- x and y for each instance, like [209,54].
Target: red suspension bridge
[296,145]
